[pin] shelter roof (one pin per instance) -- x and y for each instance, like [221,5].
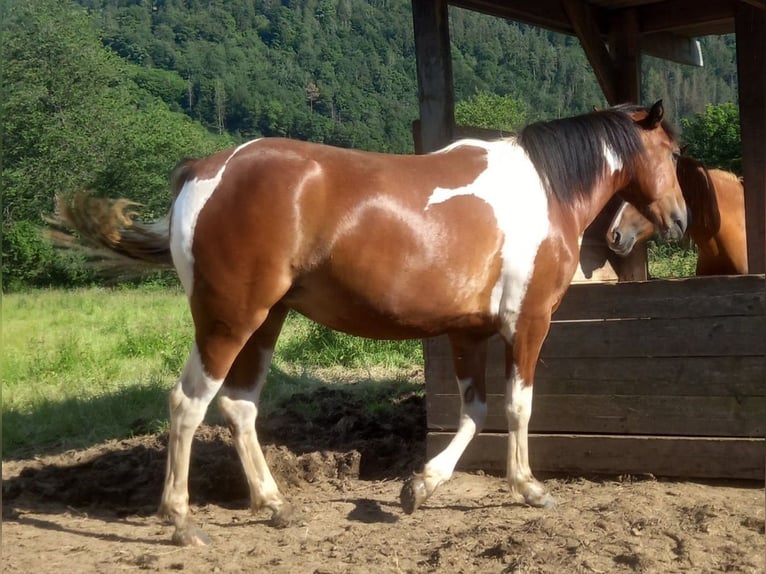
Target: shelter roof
[689,18]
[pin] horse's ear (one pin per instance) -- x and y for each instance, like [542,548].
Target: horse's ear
[654,118]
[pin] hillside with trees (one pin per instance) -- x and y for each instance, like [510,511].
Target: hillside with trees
[109,94]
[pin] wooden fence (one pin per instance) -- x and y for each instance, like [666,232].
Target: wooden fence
[666,377]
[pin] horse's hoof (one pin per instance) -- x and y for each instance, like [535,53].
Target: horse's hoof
[283,517]
[542,500]
[190,536]
[413,494]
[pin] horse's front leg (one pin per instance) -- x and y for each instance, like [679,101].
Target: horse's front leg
[469,356]
[521,359]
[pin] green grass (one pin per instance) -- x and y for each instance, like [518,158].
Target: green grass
[668,260]
[86,365]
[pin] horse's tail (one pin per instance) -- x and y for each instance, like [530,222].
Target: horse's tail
[106,230]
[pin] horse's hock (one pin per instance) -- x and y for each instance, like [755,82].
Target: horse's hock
[663,377]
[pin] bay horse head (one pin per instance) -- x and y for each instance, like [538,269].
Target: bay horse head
[655,190]
[715,202]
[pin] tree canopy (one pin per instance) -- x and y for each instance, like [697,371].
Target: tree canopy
[109,94]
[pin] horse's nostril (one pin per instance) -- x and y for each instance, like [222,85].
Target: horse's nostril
[616,237]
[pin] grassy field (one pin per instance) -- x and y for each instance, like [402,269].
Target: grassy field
[86,365]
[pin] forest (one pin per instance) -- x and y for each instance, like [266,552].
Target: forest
[108,95]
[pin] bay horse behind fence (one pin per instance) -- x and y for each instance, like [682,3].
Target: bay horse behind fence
[475,239]
[716,203]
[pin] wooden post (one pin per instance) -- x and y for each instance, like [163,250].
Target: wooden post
[434,70]
[618,71]
[750,26]
[625,48]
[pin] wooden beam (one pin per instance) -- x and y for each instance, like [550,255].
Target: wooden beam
[544,13]
[677,15]
[434,72]
[687,17]
[584,24]
[673,47]
[625,50]
[751,71]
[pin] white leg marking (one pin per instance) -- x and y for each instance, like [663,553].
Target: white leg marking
[189,400]
[518,408]
[240,409]
[472,415]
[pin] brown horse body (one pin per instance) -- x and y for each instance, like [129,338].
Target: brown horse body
[716,203]
[476,239]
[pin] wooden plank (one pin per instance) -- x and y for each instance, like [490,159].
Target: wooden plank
[637,338]
[619,414]
[751,66]
[670,376]
[434,71]
[690,297]
[698,337]
[613,455]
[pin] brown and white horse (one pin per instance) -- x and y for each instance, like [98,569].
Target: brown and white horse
[716,203]
[476,239]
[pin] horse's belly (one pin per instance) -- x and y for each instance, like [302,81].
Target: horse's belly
[383,314]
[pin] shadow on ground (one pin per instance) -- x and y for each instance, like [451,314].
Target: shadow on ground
[345,438]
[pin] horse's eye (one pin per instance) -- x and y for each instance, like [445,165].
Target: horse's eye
[676,156]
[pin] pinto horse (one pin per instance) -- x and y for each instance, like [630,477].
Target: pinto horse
[716,203]
[476,239]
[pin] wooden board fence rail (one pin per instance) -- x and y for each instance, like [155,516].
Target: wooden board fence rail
[665,377]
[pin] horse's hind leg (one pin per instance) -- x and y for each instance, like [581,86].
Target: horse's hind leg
[219,340]
[469,356]
[188,400]
[239,405]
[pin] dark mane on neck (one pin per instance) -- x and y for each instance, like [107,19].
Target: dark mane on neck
[569,153]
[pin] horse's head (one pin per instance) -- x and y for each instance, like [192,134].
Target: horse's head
[654,187]
[627,229]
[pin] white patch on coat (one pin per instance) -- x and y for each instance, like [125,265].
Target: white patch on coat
[186,209]
[617,220]
[612,159]
[511,186]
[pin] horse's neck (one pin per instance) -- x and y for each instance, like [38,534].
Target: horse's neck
[698,188]
[595,202]
[723,248]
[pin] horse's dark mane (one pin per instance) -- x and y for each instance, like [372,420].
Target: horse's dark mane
[569,153]
[699,193]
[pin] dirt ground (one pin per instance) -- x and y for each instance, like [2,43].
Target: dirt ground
[93,511]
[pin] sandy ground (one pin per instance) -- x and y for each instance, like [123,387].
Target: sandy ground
[93,511]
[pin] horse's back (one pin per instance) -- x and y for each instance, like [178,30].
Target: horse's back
[342,234]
